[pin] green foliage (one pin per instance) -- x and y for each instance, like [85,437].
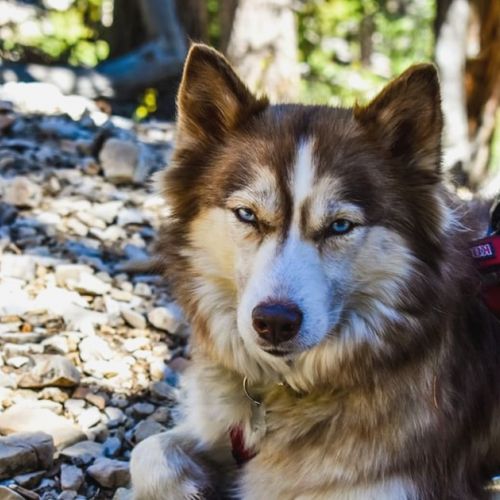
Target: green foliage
[349,48]
[70,36]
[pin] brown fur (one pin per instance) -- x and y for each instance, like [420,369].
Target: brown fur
[422,403]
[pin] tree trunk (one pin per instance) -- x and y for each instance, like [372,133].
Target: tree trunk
[227,13]
[193,15]
[483,86]
[468,56]
[263,47]
[451,40]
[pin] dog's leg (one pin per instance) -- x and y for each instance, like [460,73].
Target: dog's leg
[170,465]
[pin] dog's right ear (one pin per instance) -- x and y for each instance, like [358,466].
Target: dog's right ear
[212,100]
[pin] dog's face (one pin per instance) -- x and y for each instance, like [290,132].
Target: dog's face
[303,227]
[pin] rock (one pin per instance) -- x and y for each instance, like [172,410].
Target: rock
[143,290]
[71,477]
[142,410]
[80,278]
[54,394]
[99,400]
[25,452]
[110,473]
[162,391]
[8,494]
[30,480]
[161,415]
[130,216]
[18,361]
[179,364]
[89,417]
[123,494]
[75,406]
[83,452]
[50,370]
[76,227]
[121,161]
[147,428]
[136,343]
[17,266]
[115,415]
[19,418]
[22,192]
[57,344]
[168,318]
[94,348]
[107,211]
[68,495]
[112,447]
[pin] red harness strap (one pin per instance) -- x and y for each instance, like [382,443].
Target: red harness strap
[486,254]
[240,452]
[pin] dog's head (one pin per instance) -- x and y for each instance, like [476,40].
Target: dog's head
[299,233]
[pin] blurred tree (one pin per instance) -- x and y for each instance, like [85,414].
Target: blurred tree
[263,46]
[468,55]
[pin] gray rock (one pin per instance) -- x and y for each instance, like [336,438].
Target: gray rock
[83,452]
[17,266]
[136,343]
[50,370]
[21,418]
[80,278]
[147,428]
[130,216]
[115,415]
[120,161]
[168,318]
[25,452]
[142,410]
[89,417]
[123,494]
[8,494]
[30,480]
[162,391]
[71,477]
[75,406]
[67,274]
[134,319]
[112,447]
[94,348]
[22,192]
[110,473]
[68,495]
[18,361]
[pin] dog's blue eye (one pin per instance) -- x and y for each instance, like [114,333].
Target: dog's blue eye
[340,226]
[245,215]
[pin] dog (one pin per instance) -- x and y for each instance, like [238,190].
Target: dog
[338,338]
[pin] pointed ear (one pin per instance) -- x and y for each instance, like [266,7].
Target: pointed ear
[212,100]
[406,118]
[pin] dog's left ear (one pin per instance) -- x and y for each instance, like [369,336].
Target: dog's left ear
[212,100]
[406,118]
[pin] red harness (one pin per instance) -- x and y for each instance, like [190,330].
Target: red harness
[486,254]
[240,452]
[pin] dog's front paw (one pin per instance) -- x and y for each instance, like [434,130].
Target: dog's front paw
[165,467]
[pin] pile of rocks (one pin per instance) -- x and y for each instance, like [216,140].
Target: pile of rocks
[91,345]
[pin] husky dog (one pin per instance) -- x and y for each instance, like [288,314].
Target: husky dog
[338,337]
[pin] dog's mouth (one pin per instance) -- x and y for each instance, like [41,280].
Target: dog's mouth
[278,352]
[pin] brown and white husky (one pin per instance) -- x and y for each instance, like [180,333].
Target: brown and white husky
[337,333]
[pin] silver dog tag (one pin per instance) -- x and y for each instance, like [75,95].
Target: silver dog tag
[258,419]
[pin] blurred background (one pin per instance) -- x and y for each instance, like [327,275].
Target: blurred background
[127,55]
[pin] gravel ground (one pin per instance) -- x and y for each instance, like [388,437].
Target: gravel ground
[91,349]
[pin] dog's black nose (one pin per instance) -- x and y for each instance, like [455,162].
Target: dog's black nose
[277,323]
